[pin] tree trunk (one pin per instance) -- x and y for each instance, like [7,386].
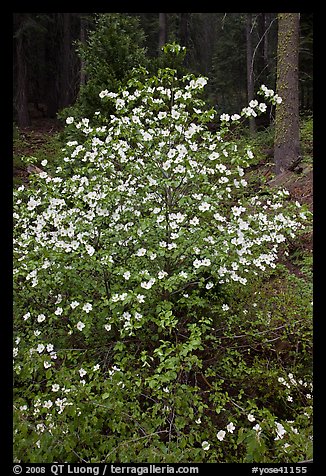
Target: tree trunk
[21,98]
[65,95]
[287,135]
[266,43]
[162,36]
[250,68]
[83,41]
[183,29]
[52,67]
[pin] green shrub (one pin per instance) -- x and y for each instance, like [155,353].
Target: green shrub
[306,137]
[130,345]
[113,49]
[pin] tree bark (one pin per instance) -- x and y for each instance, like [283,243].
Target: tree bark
[184,30]
[83,40]
[65,96]
[21,98]
[266,43]
[287,134]
[250,68]
[162,36]
[52,66]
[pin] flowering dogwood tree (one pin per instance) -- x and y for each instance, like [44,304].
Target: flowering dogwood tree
[120,254]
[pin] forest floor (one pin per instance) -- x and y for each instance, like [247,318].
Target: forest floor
[41,139]
[44,139]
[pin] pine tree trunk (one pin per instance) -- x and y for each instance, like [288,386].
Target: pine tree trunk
[287,135]
[266,43]
[250,68]
[53,65]
[83,41]
[21,98]
[162,36]
[65,90]
[183,30]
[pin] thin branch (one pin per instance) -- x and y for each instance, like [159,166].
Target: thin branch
[170,428]
[237,405]
[133,441]
[256,333]
[223,20]
[261,39]
[79,457]
[205,380]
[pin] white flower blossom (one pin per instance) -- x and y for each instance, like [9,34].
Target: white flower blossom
[80,325]
[148,284]
[204,206]
[140,298]
[220,435]
[103,93]
[280,431]
[235,117]
[126,275]
[205,445]
[230,427]
[82,372]
[225,117]
[257,428]
[87,307]
[206,262]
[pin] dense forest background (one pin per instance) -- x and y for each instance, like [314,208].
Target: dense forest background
[236,51]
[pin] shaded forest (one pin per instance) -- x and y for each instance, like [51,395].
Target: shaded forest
[49,72]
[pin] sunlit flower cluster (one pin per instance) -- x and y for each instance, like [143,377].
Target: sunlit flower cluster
[160,198]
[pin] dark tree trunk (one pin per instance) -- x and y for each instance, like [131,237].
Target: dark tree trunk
[52,65]
[162,35]
[250,67]
[266,42]
[65,96]
[287,135]
[52,98]
[184,30]
[21,98]
[83,41]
